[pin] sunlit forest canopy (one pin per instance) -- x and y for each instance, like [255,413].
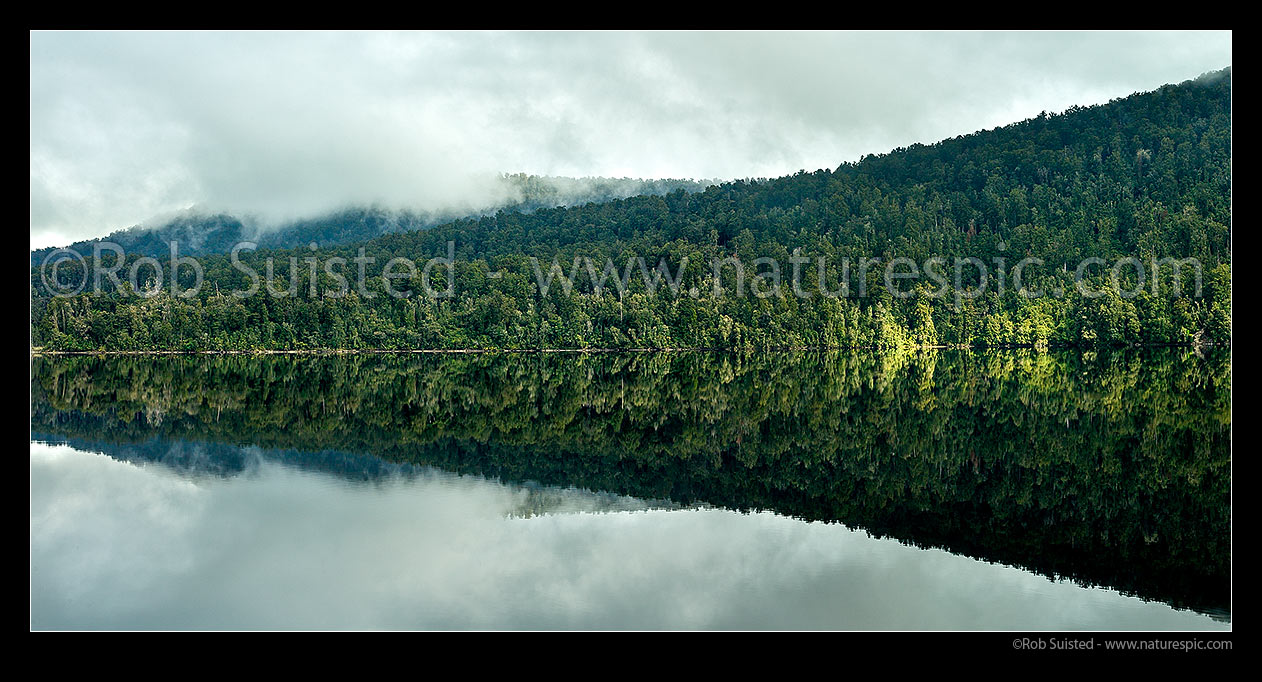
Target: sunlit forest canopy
[1147,176]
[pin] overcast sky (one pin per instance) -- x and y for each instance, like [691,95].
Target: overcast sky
[129,126]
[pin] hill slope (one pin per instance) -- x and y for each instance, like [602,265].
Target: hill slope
[1145,177]
[203,234]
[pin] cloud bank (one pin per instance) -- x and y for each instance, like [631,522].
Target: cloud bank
[126,126]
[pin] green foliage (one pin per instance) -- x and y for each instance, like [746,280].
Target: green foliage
[209,234]
[1148,176]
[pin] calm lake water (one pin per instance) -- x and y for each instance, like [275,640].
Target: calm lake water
[936,490]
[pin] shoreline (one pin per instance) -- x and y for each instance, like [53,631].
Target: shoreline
[41,352]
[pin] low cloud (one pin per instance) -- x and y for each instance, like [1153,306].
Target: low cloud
[127,126]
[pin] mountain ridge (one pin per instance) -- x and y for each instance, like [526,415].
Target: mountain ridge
[1142,179]
[209,232]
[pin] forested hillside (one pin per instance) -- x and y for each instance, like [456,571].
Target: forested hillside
[199,234]
[1147,176]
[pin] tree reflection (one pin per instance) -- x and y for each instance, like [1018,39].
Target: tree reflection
[1110,468]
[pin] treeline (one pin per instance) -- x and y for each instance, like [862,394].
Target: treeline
[1111,468]
[1146,177]
[202,234]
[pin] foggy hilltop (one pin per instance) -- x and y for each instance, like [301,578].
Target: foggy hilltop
[206,232]
[1145,176]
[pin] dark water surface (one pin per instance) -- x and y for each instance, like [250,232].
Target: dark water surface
[952,489]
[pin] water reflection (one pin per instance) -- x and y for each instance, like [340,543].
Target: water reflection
[119,545]
[1110,469]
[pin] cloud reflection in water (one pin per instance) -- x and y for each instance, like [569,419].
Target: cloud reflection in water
[120,546]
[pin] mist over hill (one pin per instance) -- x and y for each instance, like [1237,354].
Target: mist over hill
[200,233]
[1076,211]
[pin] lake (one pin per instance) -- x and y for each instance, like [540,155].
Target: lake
[915,490]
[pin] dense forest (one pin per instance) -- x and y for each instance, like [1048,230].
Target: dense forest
[1109,467]
[200,234]
[1145,177]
